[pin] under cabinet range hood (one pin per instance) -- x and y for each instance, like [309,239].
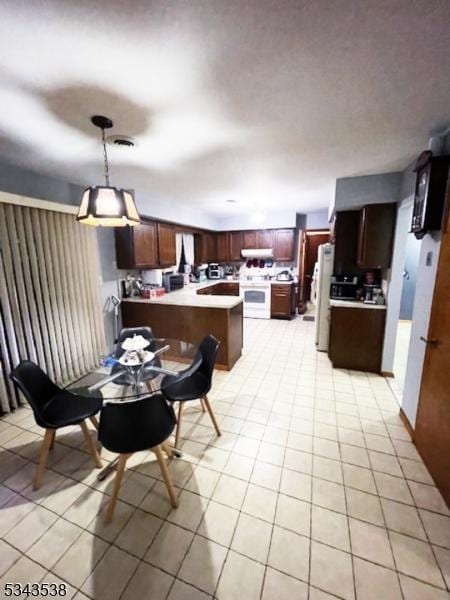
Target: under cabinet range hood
[257,253]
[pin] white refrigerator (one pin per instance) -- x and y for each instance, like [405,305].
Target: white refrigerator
[325,260]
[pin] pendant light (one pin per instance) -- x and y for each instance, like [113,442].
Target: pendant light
[103,204]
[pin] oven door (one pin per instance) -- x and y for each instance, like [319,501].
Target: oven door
[256,301]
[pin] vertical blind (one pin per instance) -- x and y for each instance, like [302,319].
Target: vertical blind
[50,309]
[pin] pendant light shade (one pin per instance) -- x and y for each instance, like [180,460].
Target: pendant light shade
[107,206]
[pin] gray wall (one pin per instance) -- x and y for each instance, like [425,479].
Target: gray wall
[24,182]
[355,192]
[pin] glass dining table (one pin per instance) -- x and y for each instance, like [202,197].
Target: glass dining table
[128,378]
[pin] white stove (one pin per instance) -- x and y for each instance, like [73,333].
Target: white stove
[256,295]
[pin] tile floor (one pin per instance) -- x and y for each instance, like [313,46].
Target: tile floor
[313,491]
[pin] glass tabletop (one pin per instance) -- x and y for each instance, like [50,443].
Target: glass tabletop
[128,377]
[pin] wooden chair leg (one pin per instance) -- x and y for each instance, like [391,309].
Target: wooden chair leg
[53,439]
[90,444]
[117,483]
[168,450]
[94,421]
[203,405]
[43,458]
[178,429]
[166,476]
[211,414]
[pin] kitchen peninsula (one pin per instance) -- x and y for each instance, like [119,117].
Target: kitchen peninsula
[190,316]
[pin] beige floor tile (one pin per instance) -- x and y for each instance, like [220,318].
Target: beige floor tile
[351,436]
[169,548]
[271,453]
[23,571]
[148,582]
[110,577]
[299,441]
[326,448]
[246,447]
[266,475]
[416,590]
[13,512]
[203,564]
[252,537]
[260,502]
[30,528]
[359,478]
[385,463]
[8,556]
[296,484]
[110,531]
[80,559]
[364,506]
[189,513]
[138,533]
[371,542]
[218,523]
[374,582]
[203,481]
[298,461]
[332,570]
[393,488]
[427,496]
[329,495]
[355,455]
[230,491]
[64,496]
[48,549]
[315,594]
[184,591]
[443,559]
[239,466]
[415,558]
[289,553]
[278,586]
[240,573]
[402,518]
[214,458]
[325,468]
[293,514]
[157,501]
[86,507]
[330,528]
[416,471]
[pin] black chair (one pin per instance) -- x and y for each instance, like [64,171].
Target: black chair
[128,427]
[193,384]
[147,375]
[53,408]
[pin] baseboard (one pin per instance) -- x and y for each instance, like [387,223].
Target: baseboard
[387,374]
[406,423]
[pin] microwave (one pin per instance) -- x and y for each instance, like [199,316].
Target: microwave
[344,287]
[173,282]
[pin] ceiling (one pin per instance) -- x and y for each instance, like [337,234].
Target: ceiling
[265,102]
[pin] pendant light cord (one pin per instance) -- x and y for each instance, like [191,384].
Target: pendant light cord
[105,158]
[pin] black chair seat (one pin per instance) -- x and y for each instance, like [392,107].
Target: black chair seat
[66,408]
[179,388]
[127,427]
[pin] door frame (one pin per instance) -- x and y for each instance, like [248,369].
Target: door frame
[303,236]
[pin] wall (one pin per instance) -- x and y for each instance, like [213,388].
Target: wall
[317,220]
[413,246]
[257,221]
[355,192]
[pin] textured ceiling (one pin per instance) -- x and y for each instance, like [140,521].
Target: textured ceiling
[263,102]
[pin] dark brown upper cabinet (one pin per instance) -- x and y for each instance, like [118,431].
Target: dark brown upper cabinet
[264,238]
[236,245]
[137,247]
[376,235]
[283,244]
[205,247]
[166,245]
[223,246]
[249,239]
[346,229]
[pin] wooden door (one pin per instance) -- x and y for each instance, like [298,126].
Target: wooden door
[236,245]
[145,247]
[264,238]
[312,241]
[283,245]
[223,246]
[432,431]
[249,239]
[166,245]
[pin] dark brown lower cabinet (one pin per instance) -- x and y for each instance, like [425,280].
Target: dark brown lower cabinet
[356,338]
[223,288]
[281,301]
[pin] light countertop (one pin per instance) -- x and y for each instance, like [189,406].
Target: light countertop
[356,304]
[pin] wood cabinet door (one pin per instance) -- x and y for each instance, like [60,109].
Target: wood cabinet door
[346,242]
[145,245]
[280,300]
[249,239]
[376,235]
[432,429]
[166,245]
[264,238]
[223,246]
[236,245]
[211,247]
[283,245]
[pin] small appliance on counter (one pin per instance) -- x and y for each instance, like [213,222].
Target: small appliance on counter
[284,276]
[344,287]
[130,286]
[198,274]
[372,294]
[215,271]
[173,282]
[231,272]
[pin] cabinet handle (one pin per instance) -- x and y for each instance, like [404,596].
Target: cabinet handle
[431,341]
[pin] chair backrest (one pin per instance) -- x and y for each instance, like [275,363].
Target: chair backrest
[127,427]
[36,386]
[127,332]
[208,348]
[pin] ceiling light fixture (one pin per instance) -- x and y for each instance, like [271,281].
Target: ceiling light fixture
[103,204]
